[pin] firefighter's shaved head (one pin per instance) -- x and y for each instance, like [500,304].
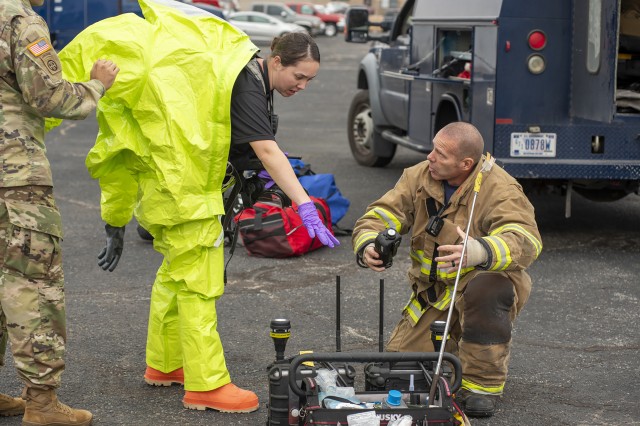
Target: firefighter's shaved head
[469,139]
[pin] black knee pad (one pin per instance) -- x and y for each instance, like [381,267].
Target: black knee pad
[488,300]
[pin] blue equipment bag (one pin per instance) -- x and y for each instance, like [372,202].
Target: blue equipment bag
[324,186]
[321,186]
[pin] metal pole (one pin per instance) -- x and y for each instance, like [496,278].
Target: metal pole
[436,377]
[338,313]
[381,325]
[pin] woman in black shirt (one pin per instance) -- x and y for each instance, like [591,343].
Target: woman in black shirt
[294,61]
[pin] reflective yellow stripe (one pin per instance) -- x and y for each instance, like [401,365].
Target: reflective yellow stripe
[502,253]
[414,309]
[425,266]
[280,335]
[439,337]
[519,229]
[389,219]
[485,390]
[445,300]
[363,239]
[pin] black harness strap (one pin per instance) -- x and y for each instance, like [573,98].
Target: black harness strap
[230,201]
[433,273]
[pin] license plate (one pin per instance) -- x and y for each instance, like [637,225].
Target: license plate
[533,144]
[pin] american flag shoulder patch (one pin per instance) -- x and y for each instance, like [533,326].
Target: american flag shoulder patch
[37,48]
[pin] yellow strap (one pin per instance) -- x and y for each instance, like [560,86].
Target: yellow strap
[484,390]
[280,335]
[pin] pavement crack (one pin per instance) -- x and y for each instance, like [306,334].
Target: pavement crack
[588,349]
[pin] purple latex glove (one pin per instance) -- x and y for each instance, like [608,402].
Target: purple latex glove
[269,182]
[264,175]
[314,225]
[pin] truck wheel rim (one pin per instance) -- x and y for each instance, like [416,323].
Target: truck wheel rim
[363,129]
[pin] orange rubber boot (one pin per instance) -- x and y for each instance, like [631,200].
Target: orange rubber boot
[228,399]
[158,378]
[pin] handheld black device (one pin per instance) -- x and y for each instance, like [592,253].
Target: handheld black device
[386,244]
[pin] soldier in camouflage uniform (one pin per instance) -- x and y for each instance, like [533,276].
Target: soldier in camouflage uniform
[32,313]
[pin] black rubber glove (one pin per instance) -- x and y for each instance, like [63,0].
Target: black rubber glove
[110,256]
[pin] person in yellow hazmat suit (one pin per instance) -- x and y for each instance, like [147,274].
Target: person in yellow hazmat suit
[165,133]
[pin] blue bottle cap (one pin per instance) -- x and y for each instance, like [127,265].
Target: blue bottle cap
[394,398]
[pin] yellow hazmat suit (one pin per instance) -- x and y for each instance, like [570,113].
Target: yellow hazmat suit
[161,154]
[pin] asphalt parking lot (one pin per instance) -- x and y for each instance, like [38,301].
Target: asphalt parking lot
[575,346]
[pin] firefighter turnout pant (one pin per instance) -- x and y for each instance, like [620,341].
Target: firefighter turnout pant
[480,331]
[32,309]
[182,320]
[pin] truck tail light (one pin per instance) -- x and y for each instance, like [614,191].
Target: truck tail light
[537,40]
[536,64]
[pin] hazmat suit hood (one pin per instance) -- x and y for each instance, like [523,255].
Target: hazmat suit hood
[164,126]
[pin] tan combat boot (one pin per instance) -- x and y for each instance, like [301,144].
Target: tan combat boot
[11,406]
[43,408]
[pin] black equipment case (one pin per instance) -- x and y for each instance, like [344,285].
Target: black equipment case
[294,393]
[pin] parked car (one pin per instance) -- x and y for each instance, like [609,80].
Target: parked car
[206,6]
[314,25]
[261,27]
[333,22]
[339,7]
[228,6]
[215,3]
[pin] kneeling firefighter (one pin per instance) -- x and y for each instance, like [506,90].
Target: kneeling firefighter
[434,199]
[161,154]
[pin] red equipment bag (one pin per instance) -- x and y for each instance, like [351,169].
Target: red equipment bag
[268,229]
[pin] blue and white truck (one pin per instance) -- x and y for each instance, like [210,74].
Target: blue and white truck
[553,86]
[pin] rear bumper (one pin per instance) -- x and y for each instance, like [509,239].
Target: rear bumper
[583,151]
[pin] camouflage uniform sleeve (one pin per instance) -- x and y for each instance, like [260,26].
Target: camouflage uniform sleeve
[39,74]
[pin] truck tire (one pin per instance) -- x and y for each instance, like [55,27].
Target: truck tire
[330,30]
[362,132]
